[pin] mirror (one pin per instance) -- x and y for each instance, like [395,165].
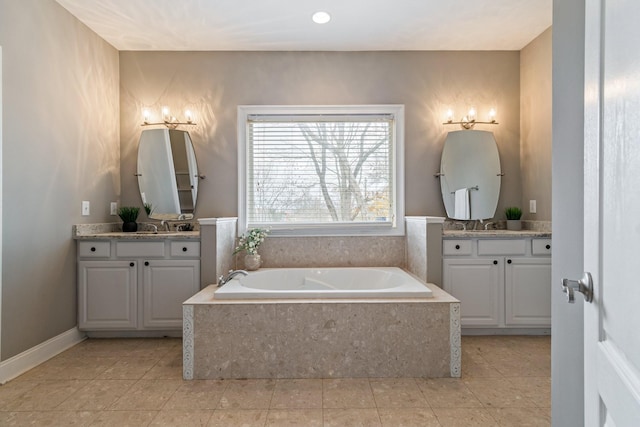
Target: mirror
[470,175]
[167,173]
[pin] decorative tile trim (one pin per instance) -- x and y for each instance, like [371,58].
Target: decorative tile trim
[187,342]
[455,343]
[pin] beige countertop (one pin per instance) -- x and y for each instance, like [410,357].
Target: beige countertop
[161,235]
[494,234]
[106,231]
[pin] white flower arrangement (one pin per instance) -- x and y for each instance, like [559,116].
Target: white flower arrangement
[251,241]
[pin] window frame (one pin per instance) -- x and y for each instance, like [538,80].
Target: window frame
[396,228]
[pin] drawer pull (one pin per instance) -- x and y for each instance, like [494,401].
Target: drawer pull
[184,249]
[548,246]
[457,246]
[132,264]
[495,262]
[146,263]
[509,261]
[93,248]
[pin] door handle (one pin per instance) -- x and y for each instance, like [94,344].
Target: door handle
[584,286]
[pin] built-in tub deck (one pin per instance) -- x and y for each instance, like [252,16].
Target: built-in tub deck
[321,338]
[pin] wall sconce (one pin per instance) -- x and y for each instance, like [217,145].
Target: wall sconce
[167,119]
[469,121]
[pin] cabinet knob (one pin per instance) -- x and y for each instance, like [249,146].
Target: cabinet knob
[184,249]
[132,264]
[146,263]
[457,246]
[93,248]
[508,261]
[495,262]
[548,246]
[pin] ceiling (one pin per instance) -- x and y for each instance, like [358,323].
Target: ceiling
[356,25]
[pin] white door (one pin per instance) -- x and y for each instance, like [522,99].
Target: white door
[612,212]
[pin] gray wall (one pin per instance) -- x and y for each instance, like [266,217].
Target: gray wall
[212,84]
[60,146]
[567,368]
[535,125]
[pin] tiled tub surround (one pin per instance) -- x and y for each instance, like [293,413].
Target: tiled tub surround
[418,337]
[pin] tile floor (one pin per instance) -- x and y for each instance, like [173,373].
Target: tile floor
[137,382]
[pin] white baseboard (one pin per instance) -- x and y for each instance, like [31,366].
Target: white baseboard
[21,363]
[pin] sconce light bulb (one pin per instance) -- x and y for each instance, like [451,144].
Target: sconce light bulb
[188,116]
[492,115]
[449,115]
[472,114]
[146,116]
[166,114]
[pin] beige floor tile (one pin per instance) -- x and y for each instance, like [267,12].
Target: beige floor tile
[197,394]
[347,393]
[360,417]
[297,394]
[464,417]
[13,390]
[128,368]
[168,367]
[47,418]
[474,365]
[247,394]
[181,419]
[147,395]
[112,347]
[97,395]
[397,393]
[499,393]
[408,417]
[536,389]
[123,418]
[156,348]
[84,368]
[448,393]
[294,418]
[238,418]
[46,396]
[522,417]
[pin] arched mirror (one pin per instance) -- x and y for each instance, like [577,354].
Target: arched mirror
[470,175]
[167,173]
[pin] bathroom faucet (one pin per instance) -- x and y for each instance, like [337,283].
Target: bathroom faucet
[166,225]
[486,226]
[232,273]
[155,228]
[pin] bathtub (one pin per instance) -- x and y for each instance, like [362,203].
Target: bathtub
[324,283]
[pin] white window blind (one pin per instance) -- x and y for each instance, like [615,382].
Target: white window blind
[312,170]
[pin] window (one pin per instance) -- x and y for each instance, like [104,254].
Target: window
[318,170]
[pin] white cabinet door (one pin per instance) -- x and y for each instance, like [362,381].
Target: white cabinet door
[166,285]
[528,292]
[478,284]
[107,293]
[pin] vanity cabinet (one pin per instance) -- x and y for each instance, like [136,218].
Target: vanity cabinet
[135,285]
[501,283]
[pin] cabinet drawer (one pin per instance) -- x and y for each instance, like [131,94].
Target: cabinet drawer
[185,249]
[140,249]
[501,247]
[456,247]
[541,246]
[94,249]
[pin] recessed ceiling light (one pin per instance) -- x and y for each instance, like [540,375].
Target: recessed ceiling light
[321,17]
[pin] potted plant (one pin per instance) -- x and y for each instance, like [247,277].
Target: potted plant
[513,215]
[129,215]
[250,242]
[148,208]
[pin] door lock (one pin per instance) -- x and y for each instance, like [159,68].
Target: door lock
[584,286]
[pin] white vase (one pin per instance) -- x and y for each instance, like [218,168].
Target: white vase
[514,224]
[252,262]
